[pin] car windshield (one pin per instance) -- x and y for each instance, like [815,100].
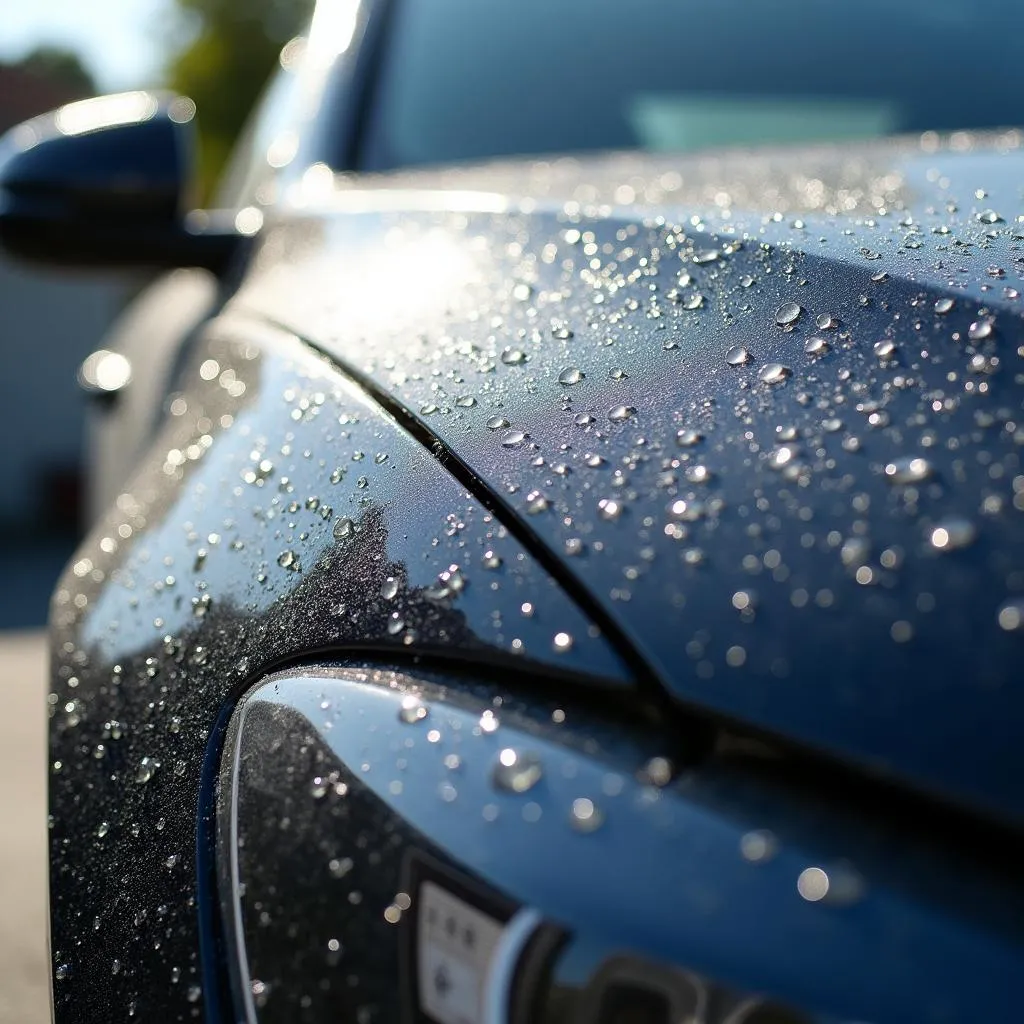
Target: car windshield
[474,79]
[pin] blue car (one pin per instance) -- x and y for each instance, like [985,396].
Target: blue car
[559,554]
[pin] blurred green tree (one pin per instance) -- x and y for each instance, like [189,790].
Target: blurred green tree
[62,67]
[228,50]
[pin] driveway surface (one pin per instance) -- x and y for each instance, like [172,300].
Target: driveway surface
[24,993]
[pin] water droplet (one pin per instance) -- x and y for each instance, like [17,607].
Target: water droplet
[813,884]
[574,546]
[687,510]
[343,528]
[514,438]
[773,373]
[522,292]
[571,375]
[562,643]
[448,583]
[103,829]
[585,816]
[1011,615]
[73,713]
[517,772]
[536,502]
[782,457]
[943,305]
[62,972]
[617,373]
[465,402]
[953,533]
[513,356]
[698,474]
[855,552]
[908,469]
[610,508]
[288,560]
[758,846]
[983,364]
[980,329]
[839,886]
[340,866]
[497,423]
[885,350]
[688,438]
[146,769]
[816,346]
[389,588]
[989,217]
[621,413]
[489,722]
[706,256]
[318,787]
[788,313]
[583,419]
[561,331]
[491,560]
[826,322]
[737,356]
[658,771]
[412,710]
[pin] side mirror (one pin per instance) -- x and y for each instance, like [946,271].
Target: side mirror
[104,183]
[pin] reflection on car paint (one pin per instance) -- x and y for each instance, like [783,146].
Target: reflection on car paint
[344,818]
[844,394]
[278,513]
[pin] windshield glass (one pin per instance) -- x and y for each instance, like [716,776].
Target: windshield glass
[473,79]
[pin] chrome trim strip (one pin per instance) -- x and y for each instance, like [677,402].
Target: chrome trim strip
[500,977]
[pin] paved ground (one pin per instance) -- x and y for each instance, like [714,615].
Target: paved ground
[24,994]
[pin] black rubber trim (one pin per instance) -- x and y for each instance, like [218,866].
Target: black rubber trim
[533,973]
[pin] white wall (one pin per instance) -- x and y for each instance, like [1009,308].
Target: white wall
[49,322]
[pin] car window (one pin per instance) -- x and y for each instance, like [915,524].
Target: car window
[472,79]
[268,140]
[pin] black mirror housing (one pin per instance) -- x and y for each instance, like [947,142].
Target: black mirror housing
[104,183]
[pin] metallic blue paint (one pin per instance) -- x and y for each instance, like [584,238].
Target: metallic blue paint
[910,929]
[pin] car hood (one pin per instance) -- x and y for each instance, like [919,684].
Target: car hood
[765,410]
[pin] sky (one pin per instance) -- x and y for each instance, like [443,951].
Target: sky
[119,41]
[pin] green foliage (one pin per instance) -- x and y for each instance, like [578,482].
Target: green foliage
[63,67]
[230,50]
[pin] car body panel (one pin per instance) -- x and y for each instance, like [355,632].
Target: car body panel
[347,790]
[469,436]
[832,554]
[278,513]
[151,334]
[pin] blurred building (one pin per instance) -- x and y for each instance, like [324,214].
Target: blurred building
[49,321]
